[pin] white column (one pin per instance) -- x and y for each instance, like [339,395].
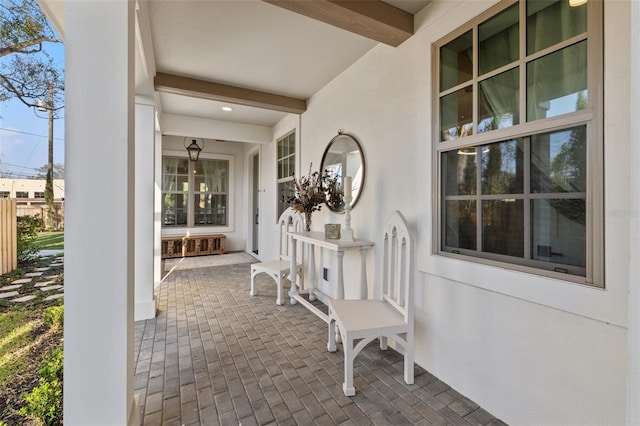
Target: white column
[99,228]
[145,303]
[633,368]
[157,204]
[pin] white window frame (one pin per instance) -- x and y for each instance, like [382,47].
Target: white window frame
[285,179]
[592,117]
[203,230]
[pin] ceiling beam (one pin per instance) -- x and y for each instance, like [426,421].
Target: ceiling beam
[169,83]
[373,19]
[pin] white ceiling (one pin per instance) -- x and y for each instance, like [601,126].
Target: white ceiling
[244,43]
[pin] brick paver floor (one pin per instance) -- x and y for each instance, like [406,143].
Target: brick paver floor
[216,356]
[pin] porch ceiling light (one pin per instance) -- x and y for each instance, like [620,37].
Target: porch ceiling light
[576,3]
[193,149]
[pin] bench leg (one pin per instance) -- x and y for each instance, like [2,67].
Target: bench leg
[347,386]
[253,285]
[331,345]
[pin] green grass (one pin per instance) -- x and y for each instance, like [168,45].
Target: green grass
[16,329]
[50,240]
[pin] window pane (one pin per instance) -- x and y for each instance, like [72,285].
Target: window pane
[183,166]
[456,114]
[503,167]
[214,178]
[558,233]
[210,210]
[503,227]
[456,63]
[559,161]
[291,141]
[285,191]
[552,21]
[183,183]
[174,209]
[498,103]
[557,83]
[498,40]
[459,171]
[460,226]
[281,148]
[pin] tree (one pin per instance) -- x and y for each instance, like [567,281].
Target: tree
[27,72]
[58,171]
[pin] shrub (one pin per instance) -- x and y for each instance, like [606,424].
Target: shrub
[44,403]
[28,227]
[53,316]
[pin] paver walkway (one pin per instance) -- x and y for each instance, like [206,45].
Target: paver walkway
[216,356]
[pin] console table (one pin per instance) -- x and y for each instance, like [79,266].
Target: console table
[317,239]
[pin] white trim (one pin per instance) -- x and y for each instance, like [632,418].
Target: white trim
[205,230]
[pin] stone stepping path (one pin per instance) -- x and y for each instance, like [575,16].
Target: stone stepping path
[12,291]
[54,296]
[8,294]
[23,299]
[44,284]
[52,287]
[10,287]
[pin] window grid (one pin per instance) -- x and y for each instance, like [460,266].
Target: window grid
[285,166]
[525,129]
[195,193]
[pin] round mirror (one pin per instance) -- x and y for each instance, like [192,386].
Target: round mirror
[344,157]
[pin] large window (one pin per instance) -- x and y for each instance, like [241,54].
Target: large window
[194,193]
[518,140]
[286,166]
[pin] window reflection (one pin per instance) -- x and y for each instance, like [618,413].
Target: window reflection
[460,172]
[559,161]
[498,101]
[503,227]
[558,232]
[498,40]
[557,83]
[456,63]
[566,21]
[503,167]
[460,226]
[456,114]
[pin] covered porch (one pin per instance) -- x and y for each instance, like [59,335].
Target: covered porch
[214,356]
[530,345]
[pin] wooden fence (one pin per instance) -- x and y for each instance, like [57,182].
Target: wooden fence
[8,236]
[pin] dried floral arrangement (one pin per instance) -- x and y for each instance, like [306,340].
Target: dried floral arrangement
[314,189]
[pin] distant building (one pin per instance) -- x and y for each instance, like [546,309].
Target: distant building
[29,196]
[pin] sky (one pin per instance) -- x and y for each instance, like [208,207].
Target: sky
[24,136]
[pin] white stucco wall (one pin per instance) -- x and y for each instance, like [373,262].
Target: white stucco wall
[530,350]
[269,196]
[236,231]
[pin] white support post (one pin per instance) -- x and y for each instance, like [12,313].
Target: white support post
[145,112]
[99,225]
[633,367]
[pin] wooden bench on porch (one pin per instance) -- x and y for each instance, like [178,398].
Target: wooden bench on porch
[193,245]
